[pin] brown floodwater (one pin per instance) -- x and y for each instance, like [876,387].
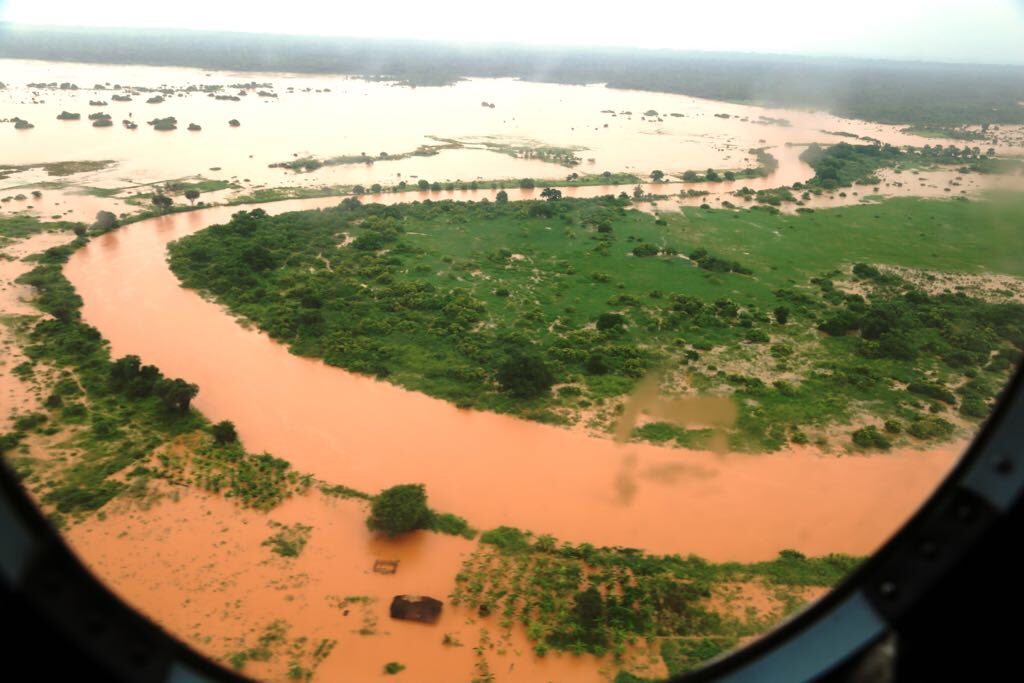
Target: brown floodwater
[350,429]
[492,469]
[196,565]
[356,116]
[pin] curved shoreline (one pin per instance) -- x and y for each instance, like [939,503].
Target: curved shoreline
[492,469]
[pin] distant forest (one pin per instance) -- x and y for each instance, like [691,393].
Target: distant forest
[916,93]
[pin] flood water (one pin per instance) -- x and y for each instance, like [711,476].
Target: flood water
[491,469]
[197,567]
[360,432]
[349,117]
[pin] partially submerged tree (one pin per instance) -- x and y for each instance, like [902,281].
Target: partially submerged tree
[105,220]
[224,432]
[192,196]
[399,509]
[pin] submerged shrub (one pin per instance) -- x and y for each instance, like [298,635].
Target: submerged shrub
[870,437]
[399,509]
[930,427]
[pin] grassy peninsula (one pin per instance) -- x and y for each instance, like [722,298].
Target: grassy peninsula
[821,325]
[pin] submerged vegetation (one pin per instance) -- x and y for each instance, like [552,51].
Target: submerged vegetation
[57,168]
[288,540]
[943,95]
[14,228]
[565,156]
[843,164]
[547,309]
[122,424]
[865,328]
[602,600]
[403,508]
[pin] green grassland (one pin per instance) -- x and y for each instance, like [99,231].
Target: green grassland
[490,304]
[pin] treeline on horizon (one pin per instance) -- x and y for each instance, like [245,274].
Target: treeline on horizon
[923,94]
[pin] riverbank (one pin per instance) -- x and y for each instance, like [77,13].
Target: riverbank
[480,464]
[141,528]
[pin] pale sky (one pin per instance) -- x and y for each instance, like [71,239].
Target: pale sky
[989,31]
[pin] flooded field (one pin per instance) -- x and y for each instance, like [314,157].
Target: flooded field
[329,116]
[196,562]
[490,468]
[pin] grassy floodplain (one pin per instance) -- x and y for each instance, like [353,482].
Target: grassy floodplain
[821,325]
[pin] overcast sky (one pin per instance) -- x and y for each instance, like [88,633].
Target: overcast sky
[989,31]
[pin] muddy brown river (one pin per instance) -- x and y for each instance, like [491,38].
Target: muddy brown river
[196,564]
[491,469]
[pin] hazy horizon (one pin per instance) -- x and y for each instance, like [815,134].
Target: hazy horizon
[946,31]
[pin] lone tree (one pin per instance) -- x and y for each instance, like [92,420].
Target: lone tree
[192,196]
[501,197]
[551,194]
[657,176]
[224,433]
[399,509]
[525,376]
[105,220]
[781,315]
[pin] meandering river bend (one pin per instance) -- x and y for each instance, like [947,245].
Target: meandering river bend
[491,469]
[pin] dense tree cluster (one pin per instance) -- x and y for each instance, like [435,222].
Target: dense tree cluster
[129,376]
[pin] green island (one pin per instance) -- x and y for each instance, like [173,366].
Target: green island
[565,156]
[57,168]
[819,324]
